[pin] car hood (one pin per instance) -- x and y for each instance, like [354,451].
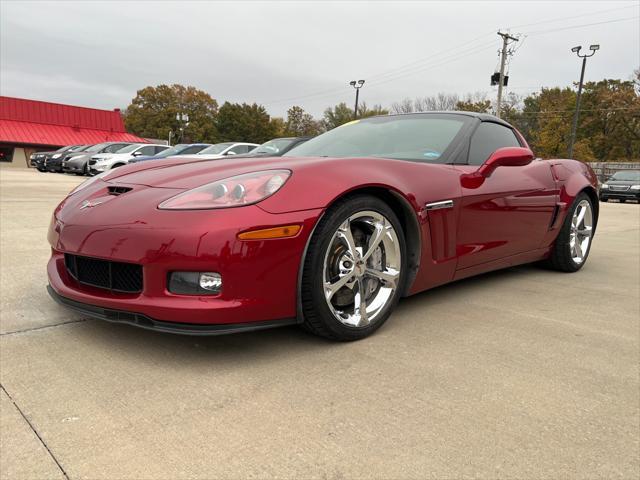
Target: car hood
[186,172]
[622,182]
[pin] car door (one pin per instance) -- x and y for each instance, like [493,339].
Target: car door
[510,212]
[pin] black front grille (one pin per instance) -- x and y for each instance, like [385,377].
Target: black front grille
[116,276]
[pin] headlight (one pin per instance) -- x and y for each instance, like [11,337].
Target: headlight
[88,182]
[635,187]
[230,192]
[604,186]
[57,155]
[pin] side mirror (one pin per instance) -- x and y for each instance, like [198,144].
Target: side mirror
[503,157]
[137,154]
[230,153]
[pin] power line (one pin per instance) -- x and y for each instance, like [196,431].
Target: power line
[558,19]
[408,66]
[571,27]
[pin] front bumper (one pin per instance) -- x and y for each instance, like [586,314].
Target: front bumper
[72,167]
[142,321]
[54,166]
[260,278]
[620,195]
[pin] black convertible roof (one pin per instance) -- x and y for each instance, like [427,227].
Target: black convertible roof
[484,117]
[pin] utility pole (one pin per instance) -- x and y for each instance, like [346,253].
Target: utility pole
[503,60]
[357,85]
[576,114]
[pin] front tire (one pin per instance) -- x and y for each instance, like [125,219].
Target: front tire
[355,269]
[572,246]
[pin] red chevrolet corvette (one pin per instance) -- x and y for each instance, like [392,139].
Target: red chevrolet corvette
[329,236]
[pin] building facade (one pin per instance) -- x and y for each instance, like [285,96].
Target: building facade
[28,126]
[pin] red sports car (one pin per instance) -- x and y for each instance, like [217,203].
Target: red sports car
[330,236]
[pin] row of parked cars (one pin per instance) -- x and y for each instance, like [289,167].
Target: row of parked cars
[94,159]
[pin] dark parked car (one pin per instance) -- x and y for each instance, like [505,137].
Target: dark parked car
[277,147]
[623,185]
[180,149]
[54,162]
[39,159]
[78,163]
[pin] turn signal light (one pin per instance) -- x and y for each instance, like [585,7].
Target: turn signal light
[271,233]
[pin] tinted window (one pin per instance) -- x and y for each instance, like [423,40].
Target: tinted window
[160,149]
[191,150]
[115,147]
[238,149]
[150,150]
[631,176]
[421,137]
[487,138]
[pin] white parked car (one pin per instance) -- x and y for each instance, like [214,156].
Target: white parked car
[106,161]
[221,150]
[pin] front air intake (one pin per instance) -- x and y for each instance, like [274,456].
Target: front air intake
[114,276]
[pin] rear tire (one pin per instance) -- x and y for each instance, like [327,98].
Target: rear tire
[571,247]
[354,271]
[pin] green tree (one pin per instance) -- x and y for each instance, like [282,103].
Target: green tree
[245,123]
[152,113]
[336,116]
[300,123]
[610,120]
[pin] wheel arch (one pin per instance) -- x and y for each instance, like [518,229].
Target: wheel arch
[408,221]
[595,202]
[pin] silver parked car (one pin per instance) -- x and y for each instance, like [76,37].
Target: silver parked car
[78,162]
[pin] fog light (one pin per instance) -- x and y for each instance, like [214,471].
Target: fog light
[195,283]
[211,281]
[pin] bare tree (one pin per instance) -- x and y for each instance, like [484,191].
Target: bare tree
[405,106]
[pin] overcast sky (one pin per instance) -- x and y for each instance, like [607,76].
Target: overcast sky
[281,53]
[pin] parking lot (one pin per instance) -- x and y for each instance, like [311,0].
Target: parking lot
[521,373]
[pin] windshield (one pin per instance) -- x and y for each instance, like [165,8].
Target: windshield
[420,137]
[96,148]
[274,146]
[632,176]
[215,149]
[128,148]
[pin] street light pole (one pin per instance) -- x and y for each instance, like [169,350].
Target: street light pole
[576,114]
[357,85]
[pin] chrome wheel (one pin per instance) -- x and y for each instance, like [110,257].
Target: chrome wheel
[361,270]
[581,231]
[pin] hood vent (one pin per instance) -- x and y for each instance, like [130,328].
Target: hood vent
[118,190]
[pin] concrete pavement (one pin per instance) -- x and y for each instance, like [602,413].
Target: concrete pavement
[521,373]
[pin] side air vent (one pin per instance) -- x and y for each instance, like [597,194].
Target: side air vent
[118,190]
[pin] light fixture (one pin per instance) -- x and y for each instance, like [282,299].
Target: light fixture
[576,49]
[594,47]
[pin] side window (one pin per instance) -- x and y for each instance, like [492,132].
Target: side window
[191,150]
[150,150]
[115,147]
[487,138]
[239,149]
[160,149]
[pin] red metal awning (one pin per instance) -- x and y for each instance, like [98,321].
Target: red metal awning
[32,122]
[58,135]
